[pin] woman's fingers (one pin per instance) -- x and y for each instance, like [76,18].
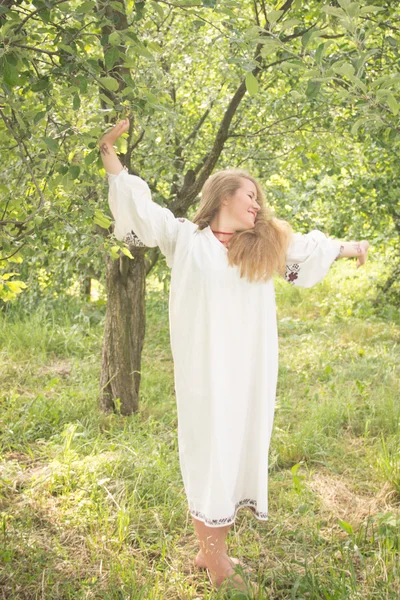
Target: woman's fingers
[362,258]
[116,132]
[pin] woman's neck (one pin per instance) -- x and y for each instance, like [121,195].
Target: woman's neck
[221,230]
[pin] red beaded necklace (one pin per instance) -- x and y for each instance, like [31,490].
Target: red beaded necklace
[224,233]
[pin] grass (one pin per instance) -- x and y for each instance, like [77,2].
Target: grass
[93,506]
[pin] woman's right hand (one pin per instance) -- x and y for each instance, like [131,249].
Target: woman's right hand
[113,134]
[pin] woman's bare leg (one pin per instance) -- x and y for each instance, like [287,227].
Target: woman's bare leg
[214,550]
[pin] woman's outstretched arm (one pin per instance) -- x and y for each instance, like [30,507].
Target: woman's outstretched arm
[357,250]
[111,162]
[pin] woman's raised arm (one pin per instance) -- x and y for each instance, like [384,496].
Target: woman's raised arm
[111,162]
[136,216]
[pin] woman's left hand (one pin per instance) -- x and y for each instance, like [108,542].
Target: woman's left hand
[362,249]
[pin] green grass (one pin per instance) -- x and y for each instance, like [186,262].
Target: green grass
[93,506]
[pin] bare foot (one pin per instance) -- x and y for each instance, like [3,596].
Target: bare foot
[200,562]
[114,133]
[229,580]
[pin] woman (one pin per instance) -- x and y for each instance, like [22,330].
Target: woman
[223,334]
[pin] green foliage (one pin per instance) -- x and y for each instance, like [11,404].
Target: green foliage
[314,73]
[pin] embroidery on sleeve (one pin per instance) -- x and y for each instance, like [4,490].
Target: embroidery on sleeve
[292,272]
[181,220]
[132,239]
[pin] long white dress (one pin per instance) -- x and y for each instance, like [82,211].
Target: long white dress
[224,342]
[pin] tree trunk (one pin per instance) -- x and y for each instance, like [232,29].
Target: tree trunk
[124,332]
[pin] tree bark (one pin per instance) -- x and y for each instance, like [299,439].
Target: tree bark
[124,327]
[86,287]
[124,332]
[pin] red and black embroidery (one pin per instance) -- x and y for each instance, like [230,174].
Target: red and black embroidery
[132,239]
[252,504]
[181,220]
[292,273]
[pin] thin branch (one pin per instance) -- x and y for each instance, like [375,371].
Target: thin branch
[278,121]
[48,52]
[197,127]
[44,7]
[11,255]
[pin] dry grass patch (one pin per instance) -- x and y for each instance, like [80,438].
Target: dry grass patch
[338,499]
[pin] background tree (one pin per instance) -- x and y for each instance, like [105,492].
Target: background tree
[269,86]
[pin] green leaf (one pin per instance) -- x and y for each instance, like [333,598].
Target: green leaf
[356,126]
[158,9]
[114,250]
[295,468]
[347,69]
[142,51]
[76,104]
[106,99]
[111,57]
[39,116]
[392,103]
[16,286]
[109,83]
[82,83]
[320,51]
[114,39]
[289,23]
[66,48]
[91,157]
[74,171]
[335,12]
[358,83]
[368,9]
[51,143]
[383,93]
[155,46]
[269,46]
[353,9]
[42,84]
[346,526]
[385,79]
[274,15]
[310,35]
[126,252]
[10,73]
[251,84]
[85,7]
[101,219]
[313,88]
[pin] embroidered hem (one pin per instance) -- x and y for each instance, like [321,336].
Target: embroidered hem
[248,503]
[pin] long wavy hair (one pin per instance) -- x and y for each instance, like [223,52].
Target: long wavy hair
[259,252]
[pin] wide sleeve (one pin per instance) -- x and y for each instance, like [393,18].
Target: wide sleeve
[309,257]
[137,218]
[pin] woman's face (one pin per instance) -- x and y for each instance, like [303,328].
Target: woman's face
[241,208]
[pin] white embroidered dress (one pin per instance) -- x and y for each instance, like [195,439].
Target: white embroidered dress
[224,342]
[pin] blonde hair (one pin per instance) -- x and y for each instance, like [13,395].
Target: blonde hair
[260,252]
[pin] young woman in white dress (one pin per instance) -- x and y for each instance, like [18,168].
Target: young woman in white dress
[223,333]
